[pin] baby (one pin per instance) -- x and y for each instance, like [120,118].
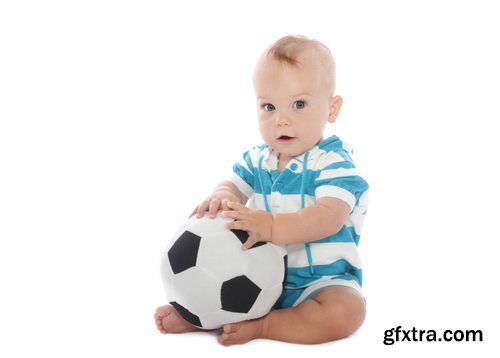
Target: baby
[299,190]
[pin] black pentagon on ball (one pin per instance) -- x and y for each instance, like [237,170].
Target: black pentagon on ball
[188,316]
[239,294]
[243,237]
[184,252]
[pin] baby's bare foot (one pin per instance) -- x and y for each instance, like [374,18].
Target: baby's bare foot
[243,332]
[168,320]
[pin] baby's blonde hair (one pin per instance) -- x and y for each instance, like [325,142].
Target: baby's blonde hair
[288,50]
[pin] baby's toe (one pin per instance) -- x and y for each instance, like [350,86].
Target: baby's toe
[162,311]
[227,339]
[231,328]
[230,334]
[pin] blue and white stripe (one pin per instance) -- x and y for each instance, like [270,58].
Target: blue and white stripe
[329,172]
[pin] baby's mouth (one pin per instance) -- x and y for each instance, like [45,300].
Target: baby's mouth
[285,138]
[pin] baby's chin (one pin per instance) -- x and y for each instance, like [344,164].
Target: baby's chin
[291,147]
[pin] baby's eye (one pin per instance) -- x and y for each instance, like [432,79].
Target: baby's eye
[299,104]
[268,107]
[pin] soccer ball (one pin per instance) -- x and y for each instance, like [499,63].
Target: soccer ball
[211,281]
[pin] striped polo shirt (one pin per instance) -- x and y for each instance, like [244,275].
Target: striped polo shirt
[329,172]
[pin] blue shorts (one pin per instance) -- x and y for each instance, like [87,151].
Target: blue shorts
[291,297]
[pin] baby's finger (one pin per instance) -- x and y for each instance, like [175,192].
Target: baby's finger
[214,207]
[225,207]
[249,243]
[236,215]
[202,208]
[236,206]
[237,225]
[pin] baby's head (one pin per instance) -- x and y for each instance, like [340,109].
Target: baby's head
[294,84]
[297,51]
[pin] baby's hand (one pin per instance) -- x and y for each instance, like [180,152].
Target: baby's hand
[215,202]
[257,223]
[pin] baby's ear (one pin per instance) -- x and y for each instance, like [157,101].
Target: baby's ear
[335,105]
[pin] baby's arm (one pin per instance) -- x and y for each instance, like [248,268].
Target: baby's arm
[223,193]
[315,222]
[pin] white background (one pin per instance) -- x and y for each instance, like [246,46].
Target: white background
[118,117]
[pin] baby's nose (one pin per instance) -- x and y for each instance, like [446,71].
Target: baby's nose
[282,120]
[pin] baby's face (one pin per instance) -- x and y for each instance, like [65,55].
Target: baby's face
[294,104]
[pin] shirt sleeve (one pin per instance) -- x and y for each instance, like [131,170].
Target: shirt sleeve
[341,180]
[244,174]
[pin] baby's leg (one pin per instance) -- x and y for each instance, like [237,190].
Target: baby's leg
[332,313]
[168,320]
